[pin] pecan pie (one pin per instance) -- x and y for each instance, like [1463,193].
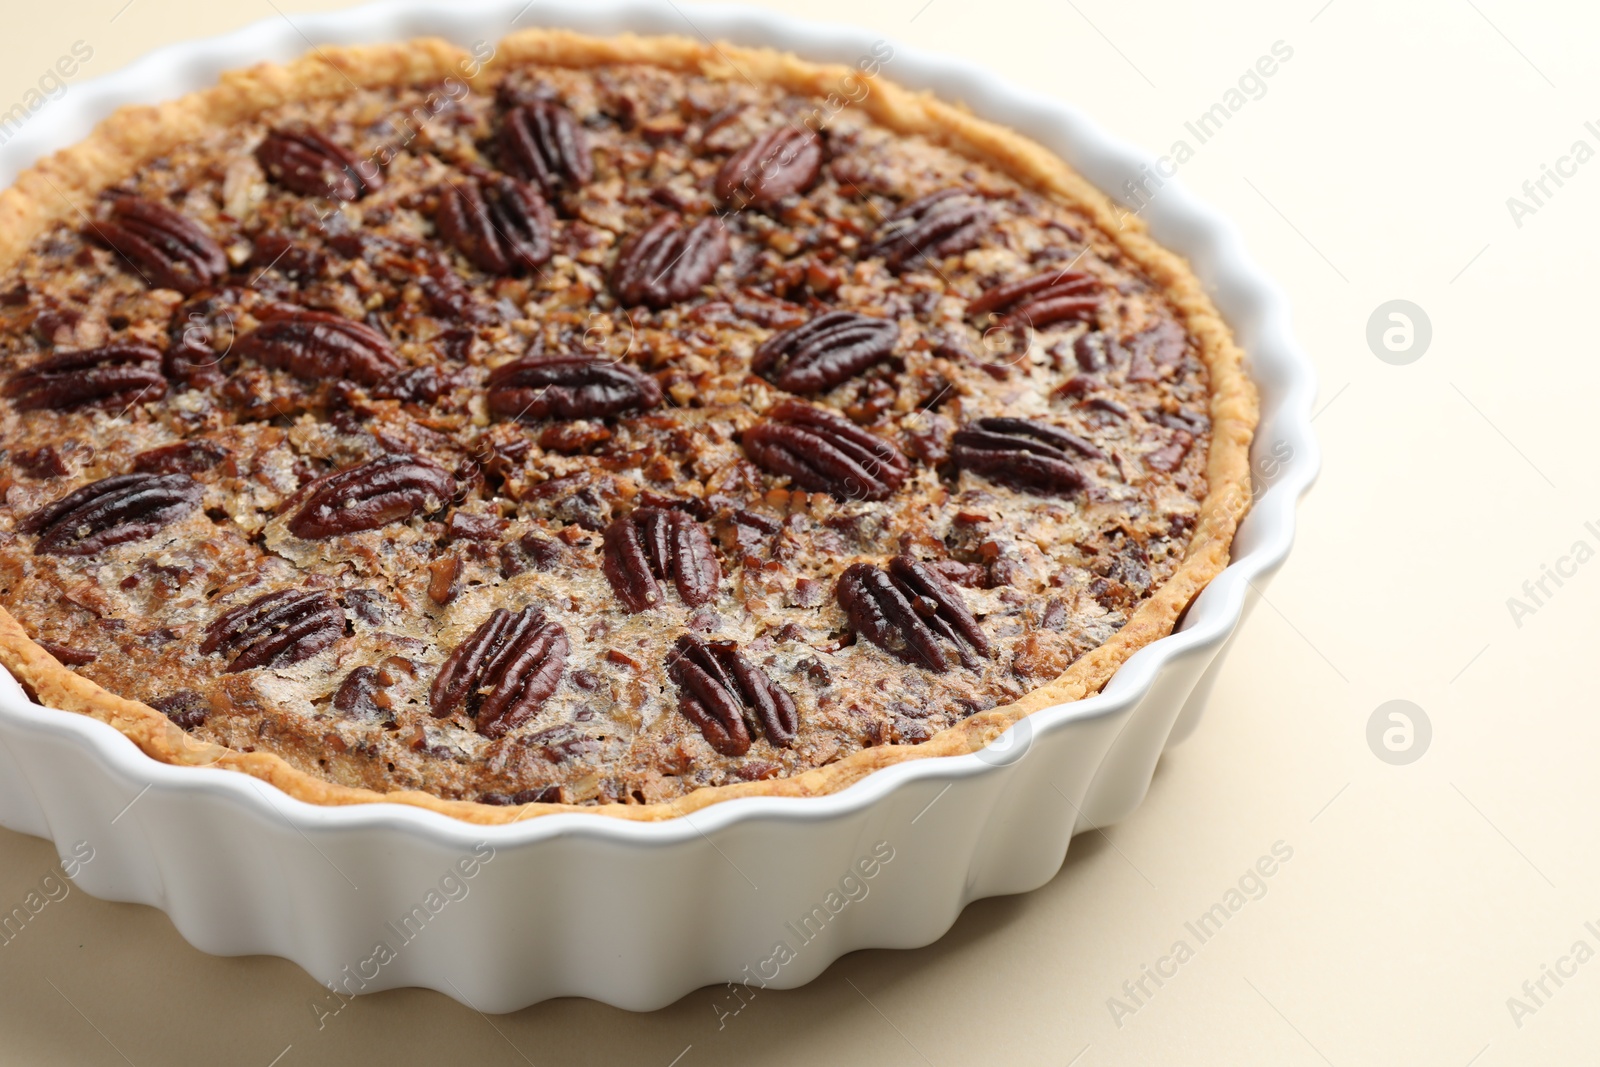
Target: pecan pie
[619,425]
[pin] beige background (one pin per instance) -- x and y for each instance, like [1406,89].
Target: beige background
[1419,898]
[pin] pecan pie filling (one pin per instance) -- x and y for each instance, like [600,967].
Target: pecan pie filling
[594,435]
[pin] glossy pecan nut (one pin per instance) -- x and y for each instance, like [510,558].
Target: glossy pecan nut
[569,387]
[124,507]
[669,262]
[825,453]
[182,457]
[1169,457]
[1023,453]
[319,345]
[200,335]
[275,630]
[1040,301]
[728,697]
[930,228]
[503,671]
[912,612]
[650,546]
[540,142]
[309,163]
[823,353]
[114,376]
[168,249]
[388,489]
[502,225]
[779,163]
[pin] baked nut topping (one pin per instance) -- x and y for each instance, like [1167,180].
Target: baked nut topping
[652,545]
[781,162]
[167,249]
[826,453]
[728,697]
[117,375]
[1024,454]
[127,507]
[569,387]
[668,262]
[317,344]
[911,611]
[275,630]
[312,165]
[388,489]
[503,672]
[541,143]
[930,228]
[598,431]
[501,225]
[825,352]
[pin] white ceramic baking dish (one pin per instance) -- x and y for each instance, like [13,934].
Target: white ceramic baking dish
[767,891]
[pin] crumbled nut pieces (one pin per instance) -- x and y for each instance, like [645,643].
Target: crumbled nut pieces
[573,383]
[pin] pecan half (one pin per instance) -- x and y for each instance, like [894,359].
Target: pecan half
[569,387]
[503,672]
[388,489]
[43,462]
[929,228]
[124,507]
[541,142]
[169,250]
[912,612]
[728,697]
[778,163]
[199,335]
[653,545]
[1169,457]
[318,345]
[1023,454]
[365,695]
[275,630]
[826,453]
[502,225]
[826,351]
[1044,299]
[185,457]
[311,164]
[667,263]
[117,375]
[186,708]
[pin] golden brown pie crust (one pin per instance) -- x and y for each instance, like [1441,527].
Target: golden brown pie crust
[46,194]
